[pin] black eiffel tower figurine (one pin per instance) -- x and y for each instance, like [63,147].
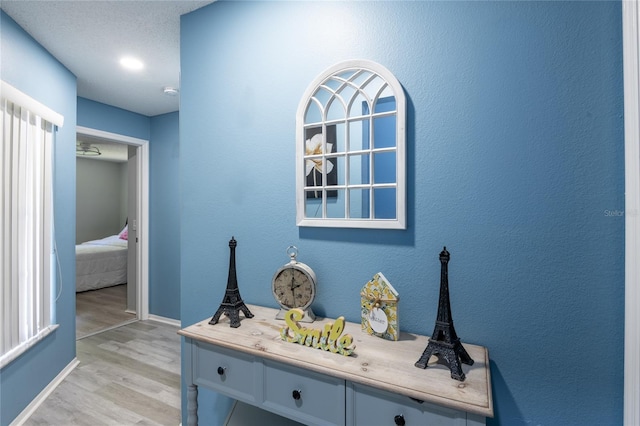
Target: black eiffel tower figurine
[444,342]
[232,302]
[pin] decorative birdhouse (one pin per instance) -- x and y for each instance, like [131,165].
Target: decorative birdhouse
[379,306]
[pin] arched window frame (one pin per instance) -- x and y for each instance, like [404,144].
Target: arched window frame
[348,72]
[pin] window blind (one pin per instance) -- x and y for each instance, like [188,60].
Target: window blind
[27,271]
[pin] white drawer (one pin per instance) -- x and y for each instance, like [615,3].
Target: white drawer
[302,395]
[373,407]
[232,373]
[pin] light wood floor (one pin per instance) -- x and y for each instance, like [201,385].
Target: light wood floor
[129,375]
[98,310]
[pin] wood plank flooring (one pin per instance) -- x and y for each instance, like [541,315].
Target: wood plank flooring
[98,310]
[128,375]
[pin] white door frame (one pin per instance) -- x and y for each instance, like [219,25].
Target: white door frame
[631,60]
[142,207]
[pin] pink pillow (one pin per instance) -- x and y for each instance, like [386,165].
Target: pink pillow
[125,233]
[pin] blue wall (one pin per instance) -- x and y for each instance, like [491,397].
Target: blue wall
[99,116]
[31,69]
[164,252]
[515,155]
[164,226]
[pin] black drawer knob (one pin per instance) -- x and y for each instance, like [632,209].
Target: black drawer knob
[296,394]
[399,419]
[221,370]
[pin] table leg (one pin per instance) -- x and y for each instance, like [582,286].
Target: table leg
[192,405]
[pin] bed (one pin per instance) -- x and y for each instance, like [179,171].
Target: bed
[101,263]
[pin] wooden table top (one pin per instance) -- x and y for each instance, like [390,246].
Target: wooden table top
[376,362]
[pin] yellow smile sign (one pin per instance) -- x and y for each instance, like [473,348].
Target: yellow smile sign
[330,338]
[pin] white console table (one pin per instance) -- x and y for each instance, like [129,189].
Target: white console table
[377,385]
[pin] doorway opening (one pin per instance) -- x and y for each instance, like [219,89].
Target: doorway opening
[128,231]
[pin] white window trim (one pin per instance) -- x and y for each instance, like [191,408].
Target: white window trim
[14,353]
[631,59]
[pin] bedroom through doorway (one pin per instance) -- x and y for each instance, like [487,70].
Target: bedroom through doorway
[111,219]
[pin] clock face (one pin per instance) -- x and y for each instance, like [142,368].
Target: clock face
[293,288]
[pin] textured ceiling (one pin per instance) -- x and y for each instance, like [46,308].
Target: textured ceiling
[89,37]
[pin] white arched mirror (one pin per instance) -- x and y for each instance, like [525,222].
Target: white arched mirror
[350,149]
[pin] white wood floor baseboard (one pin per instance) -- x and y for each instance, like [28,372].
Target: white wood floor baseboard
[164,320]
[42,396]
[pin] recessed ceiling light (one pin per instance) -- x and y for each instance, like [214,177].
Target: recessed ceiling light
[131,63]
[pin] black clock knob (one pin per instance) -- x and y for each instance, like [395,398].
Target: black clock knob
[221,370]
[399,420]
[296,394]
